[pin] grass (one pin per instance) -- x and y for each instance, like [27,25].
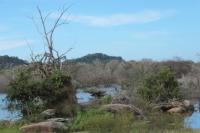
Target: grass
[96,121]
[10,130]
[13,127]
[93,120]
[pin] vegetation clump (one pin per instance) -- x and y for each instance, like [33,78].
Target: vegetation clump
[32,96]
[160,87]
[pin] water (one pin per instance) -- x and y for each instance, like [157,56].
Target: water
[111,89]
[7,115]
[82,97]
[193,121]
[4,113]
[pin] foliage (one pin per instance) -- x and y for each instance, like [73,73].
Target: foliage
[22,93]
[107,99]
[160,86]
[52,89]
[31,96]
[180,67]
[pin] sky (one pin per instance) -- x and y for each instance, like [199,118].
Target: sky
[132,29]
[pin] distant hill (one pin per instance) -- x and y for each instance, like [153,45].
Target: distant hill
[92,58]
[8,62]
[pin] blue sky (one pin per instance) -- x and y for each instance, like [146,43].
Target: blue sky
[133,29]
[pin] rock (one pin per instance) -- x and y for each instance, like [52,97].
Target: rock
[188,105]
[156,108]
[175,106]
[122,98]
[45,127]
[64,120]
[49,113]
[121,108]
[96,92]
[176,110]
[166,107]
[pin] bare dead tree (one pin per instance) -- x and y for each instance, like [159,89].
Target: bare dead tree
[51,59]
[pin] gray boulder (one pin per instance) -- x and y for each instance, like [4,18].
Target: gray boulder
[45,127]
[49,113]
[176,110]
[64,120]
[175,106]
[122,108]
[188,105]
[122,98]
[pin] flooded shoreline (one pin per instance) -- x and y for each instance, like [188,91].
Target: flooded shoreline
[193,121]
[81,95]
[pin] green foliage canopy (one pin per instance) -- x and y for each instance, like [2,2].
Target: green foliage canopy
[160,86]
[32,96]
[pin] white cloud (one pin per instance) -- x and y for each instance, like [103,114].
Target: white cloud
[119,19]
[6,44]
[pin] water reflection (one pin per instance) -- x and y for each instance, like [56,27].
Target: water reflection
[193,121]
[83,97]
[4,113]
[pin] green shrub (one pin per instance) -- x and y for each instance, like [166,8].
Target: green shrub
[107,99]
[23,92]
[32,96]
[159,87]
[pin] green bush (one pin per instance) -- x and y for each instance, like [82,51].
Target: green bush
[23,92]
[32,96]
[58,92]
[160,87]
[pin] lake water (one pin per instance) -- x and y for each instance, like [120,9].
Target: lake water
[7,115]
[4,113]
[82,97]
[193,121]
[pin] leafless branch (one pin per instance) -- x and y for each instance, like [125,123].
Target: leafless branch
[51,59]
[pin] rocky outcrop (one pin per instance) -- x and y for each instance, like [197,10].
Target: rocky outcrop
[175,107]
[50,124]
[122,98]
[64,120]
[49,113]
[122,108]
[176,110]
[96,92]
[189,106]
[45,127]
